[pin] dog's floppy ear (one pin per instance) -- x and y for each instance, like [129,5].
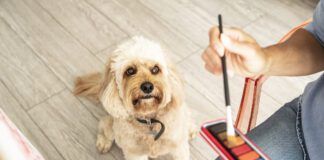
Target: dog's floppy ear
[109,95]
[176,86]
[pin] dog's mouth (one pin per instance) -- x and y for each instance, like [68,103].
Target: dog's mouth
[146,98]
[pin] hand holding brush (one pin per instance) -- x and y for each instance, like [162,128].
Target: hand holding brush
[244,56]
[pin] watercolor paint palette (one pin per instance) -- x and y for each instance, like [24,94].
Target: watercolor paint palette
[241,149]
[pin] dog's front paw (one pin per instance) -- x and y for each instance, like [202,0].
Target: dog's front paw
[103,144]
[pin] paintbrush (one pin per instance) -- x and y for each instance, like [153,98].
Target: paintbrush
[231,137]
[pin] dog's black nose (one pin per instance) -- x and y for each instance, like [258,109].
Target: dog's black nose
[147,87]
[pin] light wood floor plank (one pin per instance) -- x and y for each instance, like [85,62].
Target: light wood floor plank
[70,127]
[104,54]
[136,19]
[56,47]
[238,13]
[22,120]
[91,28]
[26,76]
[202,110]
[288,12]
[182,18]
[63,54]
[268,30]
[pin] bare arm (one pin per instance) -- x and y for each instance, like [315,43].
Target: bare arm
[300,55]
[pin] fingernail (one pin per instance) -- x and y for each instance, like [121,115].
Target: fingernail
[226,40]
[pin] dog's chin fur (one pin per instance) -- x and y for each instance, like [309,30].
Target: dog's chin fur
[119,91]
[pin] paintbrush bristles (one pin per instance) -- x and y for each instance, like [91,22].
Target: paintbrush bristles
[229,125]
[230,131]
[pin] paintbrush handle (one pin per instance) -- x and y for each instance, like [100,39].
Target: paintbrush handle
[225,79]
[224,67]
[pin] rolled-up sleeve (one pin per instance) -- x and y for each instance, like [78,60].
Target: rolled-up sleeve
[317,26]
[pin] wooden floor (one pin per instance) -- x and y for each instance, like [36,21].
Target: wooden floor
[45,44]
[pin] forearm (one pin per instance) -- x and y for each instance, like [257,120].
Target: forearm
[300,55]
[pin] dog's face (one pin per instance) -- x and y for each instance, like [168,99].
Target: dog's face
[145,87]
[138,80]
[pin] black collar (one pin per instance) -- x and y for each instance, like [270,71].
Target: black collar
[150,122]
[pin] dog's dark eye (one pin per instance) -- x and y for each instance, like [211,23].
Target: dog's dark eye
[130,71]
[155,70]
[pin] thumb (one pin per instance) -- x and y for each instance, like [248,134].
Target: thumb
[237,47]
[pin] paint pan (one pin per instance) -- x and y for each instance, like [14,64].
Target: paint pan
[240,149]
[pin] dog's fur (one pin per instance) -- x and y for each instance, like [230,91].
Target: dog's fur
[122,98]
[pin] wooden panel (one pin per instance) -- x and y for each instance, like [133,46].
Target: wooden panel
[104,54]
[288,12]
[136,19]
[23,72]
[26,125]
[202,110]
[56,47]
[238,13]
[268,30]
[183,19]
[70,127]
[195,155]
[91,28]
[203,149]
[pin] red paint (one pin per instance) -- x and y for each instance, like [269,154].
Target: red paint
[241,149]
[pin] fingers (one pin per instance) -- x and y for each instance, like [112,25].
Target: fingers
[238,34]
[215,42]
[242,52]
[237,41]
[214,35]
[212,61]
[212,70]
[244,49]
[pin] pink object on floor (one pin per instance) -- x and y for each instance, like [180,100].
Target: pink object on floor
[13,144]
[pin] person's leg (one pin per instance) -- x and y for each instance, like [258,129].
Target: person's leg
[277,136]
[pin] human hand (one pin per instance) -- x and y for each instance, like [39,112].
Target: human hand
[244,55]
